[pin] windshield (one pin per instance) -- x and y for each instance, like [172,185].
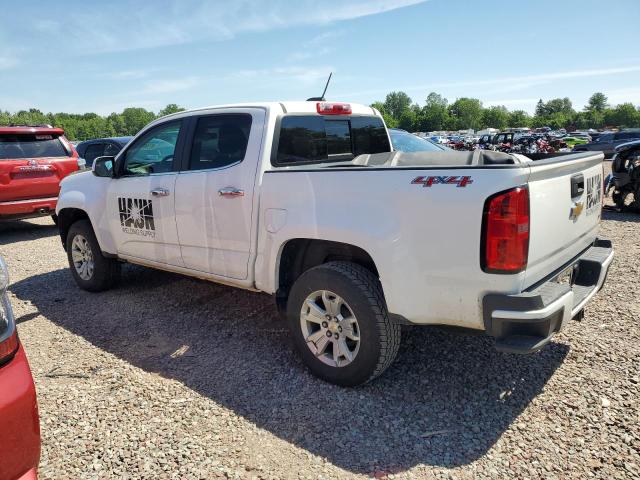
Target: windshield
[30,146]
[407,142]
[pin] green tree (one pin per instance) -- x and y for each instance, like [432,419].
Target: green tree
[396,104]
[495,117]
[435,113]
[597,103]
[169,109]
[409,120]
[559,105]
[466,113]
[519,118]
[116,123]
[541,109]
[624,115]
[388,119]
[135,118]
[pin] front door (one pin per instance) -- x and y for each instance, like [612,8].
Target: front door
[214,191]
[140,202]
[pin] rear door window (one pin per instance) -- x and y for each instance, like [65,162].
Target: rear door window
[306,139]
[220,141]
[93,151]
[111,150]
[19,146]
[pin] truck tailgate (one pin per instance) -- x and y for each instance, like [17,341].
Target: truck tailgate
[566,205]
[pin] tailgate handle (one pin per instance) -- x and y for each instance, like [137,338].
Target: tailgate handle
[577,185]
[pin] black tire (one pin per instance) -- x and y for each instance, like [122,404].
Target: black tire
[54,217]
[106,271]
[361,290]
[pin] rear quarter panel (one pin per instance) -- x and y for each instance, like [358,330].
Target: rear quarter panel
[425,241]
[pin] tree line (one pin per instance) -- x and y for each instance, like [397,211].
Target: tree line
[438,114]
[89,125]
[398,110]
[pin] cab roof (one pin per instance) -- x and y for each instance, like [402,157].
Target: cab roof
[284,107]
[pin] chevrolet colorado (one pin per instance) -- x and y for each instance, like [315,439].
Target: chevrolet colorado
[308,202]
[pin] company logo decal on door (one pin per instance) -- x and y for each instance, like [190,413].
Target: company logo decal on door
[136,217]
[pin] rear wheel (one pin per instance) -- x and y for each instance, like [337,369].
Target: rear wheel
[54,217]
[340,324]
[91,270]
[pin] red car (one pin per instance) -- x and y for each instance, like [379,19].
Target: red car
[19,422]
[33,161]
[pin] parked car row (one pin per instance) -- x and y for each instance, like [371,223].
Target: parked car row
[560,140]
[607,142]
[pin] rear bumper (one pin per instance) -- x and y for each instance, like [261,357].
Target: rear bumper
[524,323]
[19,423]
[19,209]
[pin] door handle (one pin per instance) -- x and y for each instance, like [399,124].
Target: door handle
[160,192]
[231,192]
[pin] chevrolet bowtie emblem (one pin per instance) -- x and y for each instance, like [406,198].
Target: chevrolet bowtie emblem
[576,210]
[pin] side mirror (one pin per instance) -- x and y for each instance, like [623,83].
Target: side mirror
[103,167]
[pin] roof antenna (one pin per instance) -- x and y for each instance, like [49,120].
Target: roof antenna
[321,98]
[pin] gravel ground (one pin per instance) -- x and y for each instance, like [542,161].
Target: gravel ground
[169,377]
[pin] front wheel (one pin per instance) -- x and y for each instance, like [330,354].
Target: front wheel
[340,324]
[91,270]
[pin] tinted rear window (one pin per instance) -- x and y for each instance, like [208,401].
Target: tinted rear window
[308,139]
[30,146]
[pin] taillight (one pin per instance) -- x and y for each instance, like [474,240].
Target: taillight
[505,232]
[330,108]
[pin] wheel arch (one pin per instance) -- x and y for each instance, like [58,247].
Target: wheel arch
[66,218]
[297,255]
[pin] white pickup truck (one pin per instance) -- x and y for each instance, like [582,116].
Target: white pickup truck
[307,201]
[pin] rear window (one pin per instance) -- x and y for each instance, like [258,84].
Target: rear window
[306,139]
[30,146]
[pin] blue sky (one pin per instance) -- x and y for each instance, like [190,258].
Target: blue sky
[80,56]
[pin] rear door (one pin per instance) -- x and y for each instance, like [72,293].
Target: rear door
[140,202]
[215,191]
[32,165]
[566,206]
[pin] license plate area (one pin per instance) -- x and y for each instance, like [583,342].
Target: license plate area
[567,276]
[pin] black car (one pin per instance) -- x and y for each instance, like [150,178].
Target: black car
[100,147]
[607,142]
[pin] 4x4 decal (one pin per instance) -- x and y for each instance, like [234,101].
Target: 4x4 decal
[136,216]
[442,180]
